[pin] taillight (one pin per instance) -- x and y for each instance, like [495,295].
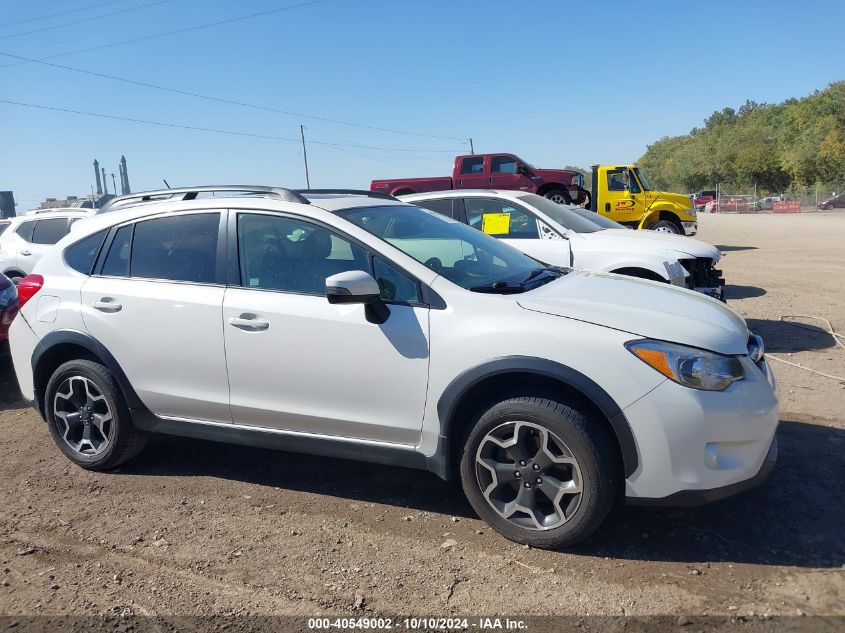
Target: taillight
[28,287]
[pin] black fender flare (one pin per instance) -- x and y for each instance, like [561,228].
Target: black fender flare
[452,395]
[88,342]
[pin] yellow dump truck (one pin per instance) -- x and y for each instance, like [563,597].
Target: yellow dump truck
[624,194]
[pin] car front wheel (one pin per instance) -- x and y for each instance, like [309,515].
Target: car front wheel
[540,472]
[88,418]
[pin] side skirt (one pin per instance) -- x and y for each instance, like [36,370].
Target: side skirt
[311,444]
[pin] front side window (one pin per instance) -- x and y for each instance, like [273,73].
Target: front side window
[500,218]
[463,255]
[282,253]
[176,248]
[81,256]
[472,165]
[24,230]
[617,179]
[50,231]
[503,165]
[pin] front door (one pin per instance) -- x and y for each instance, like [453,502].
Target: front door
[517,227]
[624,200]
[297,362]
[155,302]
[507,173]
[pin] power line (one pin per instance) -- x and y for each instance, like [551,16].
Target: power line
[90,19]
[176,32]
[215,130]
[223,100]
[56,15]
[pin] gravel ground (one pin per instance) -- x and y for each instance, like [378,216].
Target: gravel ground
[196,528]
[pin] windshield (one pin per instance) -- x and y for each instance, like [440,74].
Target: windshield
[563,214]
[463,255]
[592,216]
[643,180]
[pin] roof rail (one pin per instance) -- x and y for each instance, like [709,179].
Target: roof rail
[350,192]
[190,193]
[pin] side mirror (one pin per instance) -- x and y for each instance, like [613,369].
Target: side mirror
[357,286]
[522,170]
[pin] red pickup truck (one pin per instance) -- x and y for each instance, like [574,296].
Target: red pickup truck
[495,171]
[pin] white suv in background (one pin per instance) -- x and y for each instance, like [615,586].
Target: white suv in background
[565,235]
[27,237]
[351,324]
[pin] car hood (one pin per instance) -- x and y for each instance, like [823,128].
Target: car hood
[677,199]
[643,308]
[625,239]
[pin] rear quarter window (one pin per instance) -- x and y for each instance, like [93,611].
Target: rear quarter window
[24,230]
[82,255]
[3,227]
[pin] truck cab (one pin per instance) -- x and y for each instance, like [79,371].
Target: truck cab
[624,194]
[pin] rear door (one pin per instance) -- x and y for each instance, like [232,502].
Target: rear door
[472,173]
[299,363]
[154,301]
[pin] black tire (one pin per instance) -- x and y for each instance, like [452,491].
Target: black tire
[589,442]
[561,196]
[666,226]
[124,440]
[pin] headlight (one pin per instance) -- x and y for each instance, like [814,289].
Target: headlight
[688,366]
[8,294]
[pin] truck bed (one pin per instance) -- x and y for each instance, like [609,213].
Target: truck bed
[401,186]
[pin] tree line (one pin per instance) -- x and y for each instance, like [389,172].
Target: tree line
[780,147]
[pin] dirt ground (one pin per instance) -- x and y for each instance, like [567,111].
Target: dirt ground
[197,528]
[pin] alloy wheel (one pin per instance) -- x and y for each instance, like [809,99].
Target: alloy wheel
[528,475]
[83,416]
[558,198]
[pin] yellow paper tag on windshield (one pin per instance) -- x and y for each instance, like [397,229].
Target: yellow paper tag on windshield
[496,223]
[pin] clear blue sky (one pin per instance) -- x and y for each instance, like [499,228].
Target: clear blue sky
[555,82]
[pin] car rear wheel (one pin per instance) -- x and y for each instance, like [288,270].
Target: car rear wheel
[88,418]
[665,226]
[540,472]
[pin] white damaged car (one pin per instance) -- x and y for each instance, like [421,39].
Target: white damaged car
[564,235]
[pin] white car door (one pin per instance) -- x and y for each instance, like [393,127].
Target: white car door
[518,227]
[155,302]
[37,238]
[297,362]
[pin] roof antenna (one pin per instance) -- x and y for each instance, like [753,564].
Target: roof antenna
[165,183]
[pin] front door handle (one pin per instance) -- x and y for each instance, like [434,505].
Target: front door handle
[26,253]
[249,322]
[108,305]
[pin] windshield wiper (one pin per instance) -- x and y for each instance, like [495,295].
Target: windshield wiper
[536,277]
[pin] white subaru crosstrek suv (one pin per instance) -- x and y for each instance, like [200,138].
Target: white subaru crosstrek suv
[565,235]
[351,324]
[27,237]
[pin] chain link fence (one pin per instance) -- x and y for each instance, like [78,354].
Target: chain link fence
[728,199]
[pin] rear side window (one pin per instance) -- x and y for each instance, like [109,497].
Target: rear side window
[472,165]
[24,230]
[50,231]
[82,255]
[442,206]
[177,248]
[116,263]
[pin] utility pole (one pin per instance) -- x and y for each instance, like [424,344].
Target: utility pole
[471,146]
[305,156]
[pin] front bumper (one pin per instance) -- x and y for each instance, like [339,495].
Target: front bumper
[699,446]
[690,228]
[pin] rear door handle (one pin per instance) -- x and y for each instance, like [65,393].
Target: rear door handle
[107,305]
[249,322]
[26,253]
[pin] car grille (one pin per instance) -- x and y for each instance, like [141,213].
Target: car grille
[702,274]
